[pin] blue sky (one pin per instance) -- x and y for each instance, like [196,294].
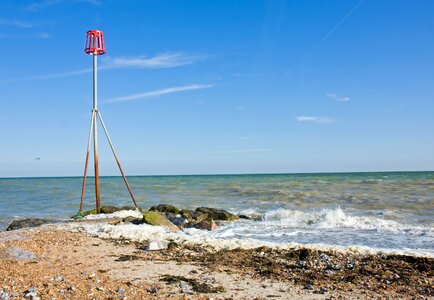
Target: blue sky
[194,87]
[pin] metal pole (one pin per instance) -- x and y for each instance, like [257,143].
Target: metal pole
[83,187]
[117,160]
[95,134]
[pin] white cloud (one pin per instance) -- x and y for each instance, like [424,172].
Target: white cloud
[15,23]
[337,97]
[158,93]
[314,119]
[160,61]
[49,76]
[46,3]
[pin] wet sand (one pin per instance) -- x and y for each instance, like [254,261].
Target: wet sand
[60,264]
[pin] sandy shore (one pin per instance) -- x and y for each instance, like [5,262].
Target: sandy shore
[52,263]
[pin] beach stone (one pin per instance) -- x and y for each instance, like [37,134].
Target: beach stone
[20,254]
[88,212]
[207,224]
[31,293]
[193,216]
[156,245]
[218,214]
[178,220]
[156,219]
[165,208]
[4,296]
[26,223]
[57,278]
[132,220]
[120,290]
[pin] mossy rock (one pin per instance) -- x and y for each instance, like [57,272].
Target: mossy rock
[217,214]
[89,212]
[157,219]
[193,216]
[165,208]
[109,209]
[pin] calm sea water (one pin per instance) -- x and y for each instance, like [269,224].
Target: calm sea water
[377,210]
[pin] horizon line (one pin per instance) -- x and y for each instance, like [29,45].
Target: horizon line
[223,174]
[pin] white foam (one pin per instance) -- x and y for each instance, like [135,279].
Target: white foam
[144,232]
[337,218]
[118,214]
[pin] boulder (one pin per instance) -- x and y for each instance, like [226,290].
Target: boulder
[132,220]
[157,219]
[165,208]
[25,223]
[193,216]
[89,212]
[109,209]
[217,214]
[207,224]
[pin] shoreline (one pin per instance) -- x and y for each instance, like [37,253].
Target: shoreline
[187,271]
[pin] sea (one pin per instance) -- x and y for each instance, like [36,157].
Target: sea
[383,211]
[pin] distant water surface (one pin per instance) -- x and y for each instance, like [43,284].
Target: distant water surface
[379,210]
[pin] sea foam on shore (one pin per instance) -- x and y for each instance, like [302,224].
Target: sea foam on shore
[280,229]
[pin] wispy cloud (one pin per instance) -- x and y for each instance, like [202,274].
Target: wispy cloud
[49,76]
[158,93]
[38,35]
[314,119]
[47,3]
[338,98]
[160,61]
[15,23]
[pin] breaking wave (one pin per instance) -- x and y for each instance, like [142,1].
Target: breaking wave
[337,218]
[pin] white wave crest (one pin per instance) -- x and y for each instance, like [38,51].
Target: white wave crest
[337,218]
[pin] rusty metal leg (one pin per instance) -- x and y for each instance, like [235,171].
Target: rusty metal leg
[83,187]
[117,160]
[95,154]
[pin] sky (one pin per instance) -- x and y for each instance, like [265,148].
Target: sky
[210,87]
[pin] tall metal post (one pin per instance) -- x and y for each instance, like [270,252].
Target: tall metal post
[95,46]
[95,133]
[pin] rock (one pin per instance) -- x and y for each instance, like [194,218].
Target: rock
[120,291]
[207,224]
[153,290]
[252,216]
[156,219]
[193,216]
[217,214]
[308,286]
[57,278]
[89,212]
[4,296]
[31,293]
[20,254]
[178,220]
[132,220]
[186,288]
[156,245]
[165,208]
[109,209]
[25,223]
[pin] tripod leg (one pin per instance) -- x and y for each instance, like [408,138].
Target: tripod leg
[83,187]
[117,160]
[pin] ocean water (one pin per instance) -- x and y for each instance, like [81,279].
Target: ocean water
[388,211]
